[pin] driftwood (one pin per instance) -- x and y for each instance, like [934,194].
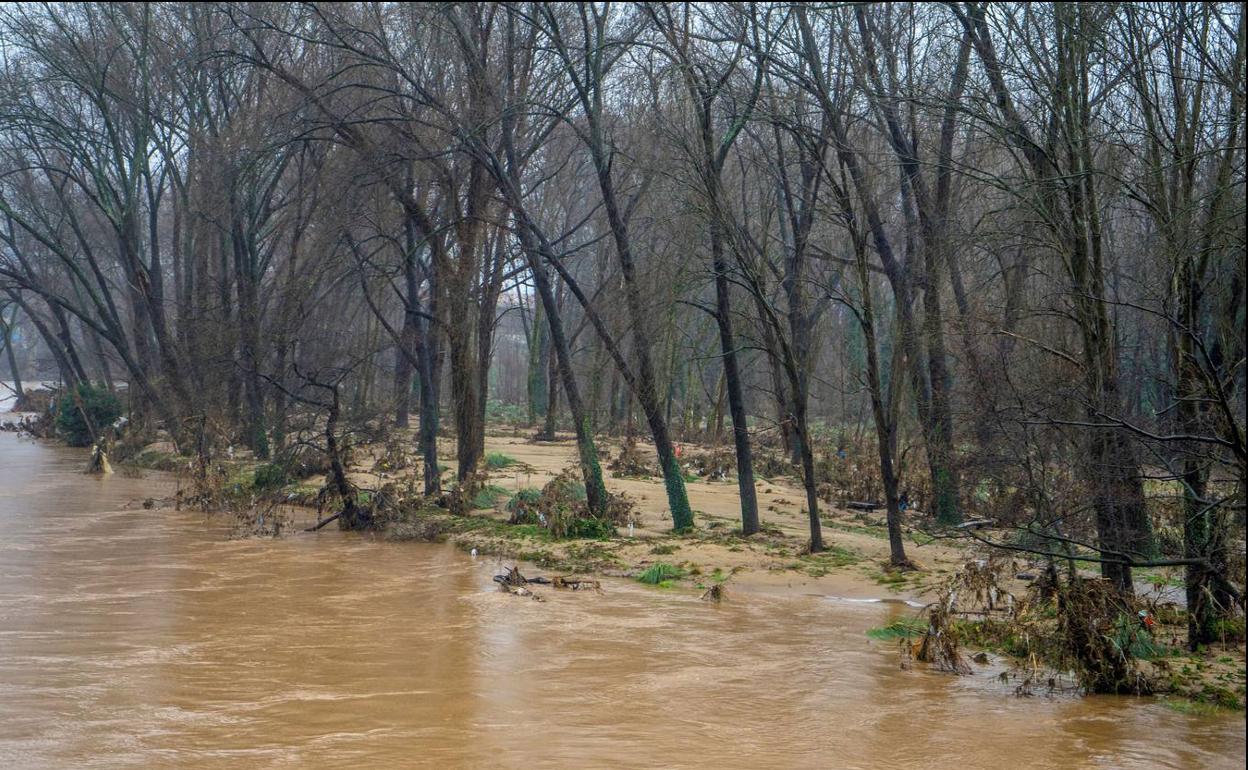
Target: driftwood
[512,578]
[576,584]
[519,591]
[715,593]
[324,521]
[514,583]
[861,505]
[975,524]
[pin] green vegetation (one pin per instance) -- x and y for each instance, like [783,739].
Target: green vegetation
[523,506]
[497,411]
[159,461]
[487,496]
[660,574]
[894,580]
[496,461]
[1195,707]
[87,407]
[832,558]
[905,628]
[590,529]
[269,477]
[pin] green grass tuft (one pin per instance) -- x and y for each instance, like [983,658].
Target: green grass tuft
[496,461]
[487,496]
[659,573]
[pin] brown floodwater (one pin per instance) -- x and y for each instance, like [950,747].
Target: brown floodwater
[141,638]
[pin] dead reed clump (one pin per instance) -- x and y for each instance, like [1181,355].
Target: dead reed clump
[396,455]
[712,465]
[977,590]
[424,529]
[621,509]
[459,500]
[630,463]
[772,463]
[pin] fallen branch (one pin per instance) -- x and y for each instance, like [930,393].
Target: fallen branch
[325,521]
[857,505]
[576,584]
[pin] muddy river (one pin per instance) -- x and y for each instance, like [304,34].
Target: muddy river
[137,638]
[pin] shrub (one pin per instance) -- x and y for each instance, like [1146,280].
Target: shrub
[590,529]
[100,406]
[523,506]
[270,476]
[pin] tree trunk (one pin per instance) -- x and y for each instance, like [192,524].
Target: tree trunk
[536,246]
[736,397]
[540,364]
[885,424]
[8,328]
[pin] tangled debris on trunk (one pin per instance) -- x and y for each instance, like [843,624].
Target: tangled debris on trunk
[939,647]
[98,465]
[1100,630]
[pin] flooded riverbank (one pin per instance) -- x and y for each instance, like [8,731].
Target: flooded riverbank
[138,638]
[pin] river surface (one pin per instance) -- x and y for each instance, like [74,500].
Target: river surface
[149,639]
